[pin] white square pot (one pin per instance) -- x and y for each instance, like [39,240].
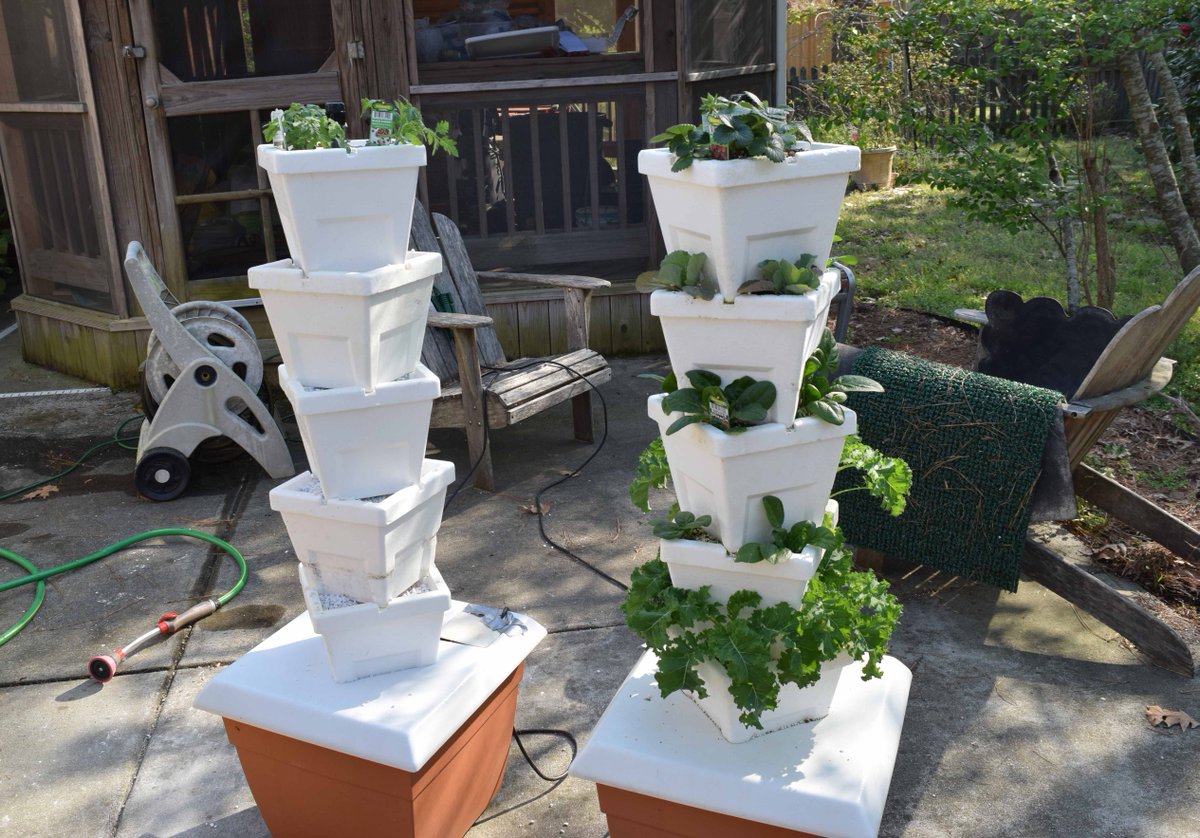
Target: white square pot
[740,212]
[768,338]
[345,211]
[348,329]
[364,640]
[368,550]
[727,475]
[694,564]
[795,705]
[365,445]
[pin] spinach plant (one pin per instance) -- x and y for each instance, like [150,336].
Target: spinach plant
[761,649]
[680,524]
[787,540]
[303,128]
[822,397]
[779,276]
[400,121]
[734,127]
[740,404]
[680,271]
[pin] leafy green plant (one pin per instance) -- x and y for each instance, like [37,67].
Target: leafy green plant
[400,121]
[681,524]
[822,396]
[734,127]
[305,127]
[652,472]
[680,271]
[787,540]
[779,276]
[888,479]
[742,403]
[761,649]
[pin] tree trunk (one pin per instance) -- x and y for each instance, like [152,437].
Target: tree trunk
[1190,180]
[1170,202]
[1106,282]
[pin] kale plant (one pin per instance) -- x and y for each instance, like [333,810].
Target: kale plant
[400,121]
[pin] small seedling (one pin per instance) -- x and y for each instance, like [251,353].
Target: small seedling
[743,403]
[779,276]
[735,128]
[400,121]
[822,397]
[785,541]
[680,271]
[680,524]
[304,128]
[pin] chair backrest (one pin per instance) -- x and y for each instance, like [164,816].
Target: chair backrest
[1131,355]
[462,285]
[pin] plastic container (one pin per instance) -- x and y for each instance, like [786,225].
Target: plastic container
[369,550]
[348,329]
[365,445]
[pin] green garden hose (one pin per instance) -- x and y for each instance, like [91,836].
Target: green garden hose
[168,624]
[115,439]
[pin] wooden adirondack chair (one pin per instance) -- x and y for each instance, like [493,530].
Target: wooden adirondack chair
[463,350]
[1130,368]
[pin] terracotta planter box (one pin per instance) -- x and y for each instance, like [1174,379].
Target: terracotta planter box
[305,790]
[345,212]
[740,212]
[765,337]
[633,815]
[348,329]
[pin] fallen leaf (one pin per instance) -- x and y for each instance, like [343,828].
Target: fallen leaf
[1111,551]
[1156,716]
[40,493]
[534,510]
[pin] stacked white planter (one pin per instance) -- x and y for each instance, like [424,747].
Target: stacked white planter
[349,313]
[739,213]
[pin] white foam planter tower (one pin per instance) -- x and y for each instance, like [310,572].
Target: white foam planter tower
[740,212]
[768,338]
[345,211]
[348,329]
[727,475]
[364,640]
[368,550]
[364,445]
[694,564]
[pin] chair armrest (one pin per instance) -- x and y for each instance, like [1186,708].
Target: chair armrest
[450,320]
[1158,378]
[589,283]
[971,315]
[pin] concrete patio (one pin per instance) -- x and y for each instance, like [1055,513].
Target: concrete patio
[1025,718]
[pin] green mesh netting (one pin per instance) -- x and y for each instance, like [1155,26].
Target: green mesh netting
[975,446]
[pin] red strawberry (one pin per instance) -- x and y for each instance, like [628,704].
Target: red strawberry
[1185,29]
[718,152]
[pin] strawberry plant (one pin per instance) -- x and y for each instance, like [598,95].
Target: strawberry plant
[822,397]
[400,121]
[734,128]
[787,540]
[779,276]
[761,649]
[740,404]
[681,524]
[680,271]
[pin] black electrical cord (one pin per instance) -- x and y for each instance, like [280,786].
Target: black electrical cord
[546,731]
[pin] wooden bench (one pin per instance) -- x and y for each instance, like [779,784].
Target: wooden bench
[463,350]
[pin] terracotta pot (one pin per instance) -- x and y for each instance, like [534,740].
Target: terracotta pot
[633,815]
[306,790]
[876,169]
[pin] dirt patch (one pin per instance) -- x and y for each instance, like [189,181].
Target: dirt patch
[1142,449]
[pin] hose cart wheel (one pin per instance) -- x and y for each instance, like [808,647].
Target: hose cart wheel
[162,474]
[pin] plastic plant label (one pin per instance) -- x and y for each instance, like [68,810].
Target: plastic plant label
[383,124]
[718,409]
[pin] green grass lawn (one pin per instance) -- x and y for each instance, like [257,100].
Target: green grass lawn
[917,251]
